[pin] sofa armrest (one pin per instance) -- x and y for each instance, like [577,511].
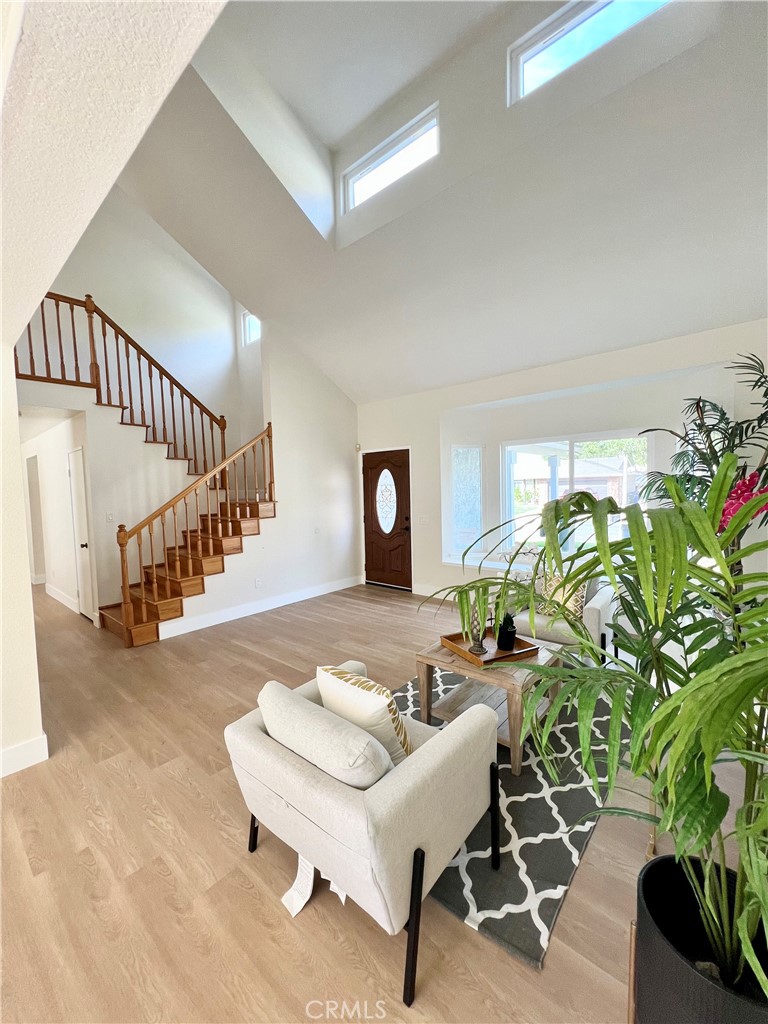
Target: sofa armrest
[599,611]
[433,799]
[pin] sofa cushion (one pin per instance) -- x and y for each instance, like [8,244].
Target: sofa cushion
[331,743]
[367,705]
[545,628]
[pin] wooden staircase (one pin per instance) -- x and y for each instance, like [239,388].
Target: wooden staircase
[166,557]
[188,539]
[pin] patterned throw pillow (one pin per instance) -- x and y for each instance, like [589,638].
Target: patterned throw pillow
[367,705]
[552,590]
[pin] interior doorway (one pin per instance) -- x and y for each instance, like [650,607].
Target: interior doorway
[387,518]
[80,532]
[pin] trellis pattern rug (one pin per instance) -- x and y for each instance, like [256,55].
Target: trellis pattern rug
[543,838]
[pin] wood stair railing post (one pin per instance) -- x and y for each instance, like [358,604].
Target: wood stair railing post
[90,307]
[125,581]
[271,464]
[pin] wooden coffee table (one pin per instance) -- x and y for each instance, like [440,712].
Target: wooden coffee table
[502,689]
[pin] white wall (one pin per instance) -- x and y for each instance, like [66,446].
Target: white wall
[313,545]
[638,387]
[124,476]
[52,448]
[163,298]
[35,535]
[73,110]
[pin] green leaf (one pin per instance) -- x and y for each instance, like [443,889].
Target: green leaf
[704,536]
[549,521]
[742,518]
[641,545]
[721,487]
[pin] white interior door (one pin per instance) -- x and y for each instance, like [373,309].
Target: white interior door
[80,529]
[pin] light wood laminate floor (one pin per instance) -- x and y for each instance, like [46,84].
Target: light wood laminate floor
[128,893]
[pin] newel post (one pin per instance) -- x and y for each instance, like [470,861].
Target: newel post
[223,428]
[90,308]
[271,465]
[125,584]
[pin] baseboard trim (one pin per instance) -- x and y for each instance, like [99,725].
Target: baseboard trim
[425,589]
[65,599]
[38,579]
[191,623]
[24,755]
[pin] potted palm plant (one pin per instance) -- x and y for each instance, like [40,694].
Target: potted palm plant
[687,691]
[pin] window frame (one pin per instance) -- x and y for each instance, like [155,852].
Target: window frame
[244,340]
[548,32]
[391,146]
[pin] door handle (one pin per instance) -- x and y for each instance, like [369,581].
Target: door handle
[407,529]
[84,545]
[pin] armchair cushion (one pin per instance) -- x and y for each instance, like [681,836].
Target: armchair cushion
[335,746]
[367,705]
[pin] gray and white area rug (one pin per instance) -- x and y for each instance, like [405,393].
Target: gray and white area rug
[543,838]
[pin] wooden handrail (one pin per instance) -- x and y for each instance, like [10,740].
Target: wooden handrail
[204,513]
[266,434]
[158,366]
[123,374]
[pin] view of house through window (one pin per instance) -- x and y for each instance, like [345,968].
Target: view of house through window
[533,474]
[570,37]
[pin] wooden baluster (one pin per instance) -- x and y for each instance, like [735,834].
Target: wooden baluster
[237,490]
[218,509]
[223,427]
[128,378]
[177,563]
[152,402]
[255,477]
[271,464]
[184,425]
[196,492]
[173,422]
[31,350]
[245,488]
[202,440]
[45,341]
[209,531]
[189,541]
[165,556]
[143,420]
[213,445]
[106,360]
[95,372]
[194,437]
[153,572]
[143,580]
[74,341]
[264,465]
[16,361]
[120,399]
[61,343]
[125,581]
[161,379]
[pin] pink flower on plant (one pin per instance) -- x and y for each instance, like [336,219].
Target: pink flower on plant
[743,492]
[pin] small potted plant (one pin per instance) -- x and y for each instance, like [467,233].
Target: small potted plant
[507,631]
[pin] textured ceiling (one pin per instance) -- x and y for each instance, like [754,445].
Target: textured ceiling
[86,81]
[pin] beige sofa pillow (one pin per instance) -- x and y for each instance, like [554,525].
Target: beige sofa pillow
[332,744]
[367,705]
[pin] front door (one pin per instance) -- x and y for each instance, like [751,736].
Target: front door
[387,518]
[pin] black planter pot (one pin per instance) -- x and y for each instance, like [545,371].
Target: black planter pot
[670,938]
[506,640]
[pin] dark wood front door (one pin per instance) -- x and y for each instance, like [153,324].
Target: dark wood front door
[387,518]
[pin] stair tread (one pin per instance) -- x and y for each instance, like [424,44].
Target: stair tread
[115,612]
[135,591]
[183,573]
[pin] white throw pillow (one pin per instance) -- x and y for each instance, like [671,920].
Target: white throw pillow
[335,746]
[366,704]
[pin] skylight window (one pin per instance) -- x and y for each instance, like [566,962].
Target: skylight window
[562,41]
[402,153]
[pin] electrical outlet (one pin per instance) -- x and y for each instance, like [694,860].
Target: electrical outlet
[258,583]
[110,517]
[317,531]
[422,520]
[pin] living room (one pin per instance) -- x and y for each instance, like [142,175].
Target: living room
[577,259]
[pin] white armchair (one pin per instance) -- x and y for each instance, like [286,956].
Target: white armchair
[385,845]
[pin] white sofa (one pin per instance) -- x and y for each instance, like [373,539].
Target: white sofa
[387,845]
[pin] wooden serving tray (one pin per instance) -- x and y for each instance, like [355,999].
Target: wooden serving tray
[455,642]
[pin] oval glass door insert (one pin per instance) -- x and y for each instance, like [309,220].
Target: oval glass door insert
[386,501]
